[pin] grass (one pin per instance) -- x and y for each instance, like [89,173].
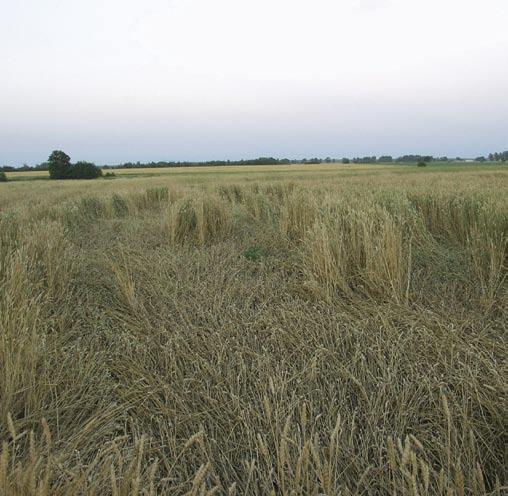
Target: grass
[334,332]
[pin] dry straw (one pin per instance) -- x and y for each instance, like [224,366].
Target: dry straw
[360,351]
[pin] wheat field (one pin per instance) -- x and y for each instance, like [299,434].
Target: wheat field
[329,330]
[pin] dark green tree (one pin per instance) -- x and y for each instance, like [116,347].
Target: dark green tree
[494,157]
[84,170]
[3,177]
[59,165]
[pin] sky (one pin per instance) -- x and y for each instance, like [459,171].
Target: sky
[112,81]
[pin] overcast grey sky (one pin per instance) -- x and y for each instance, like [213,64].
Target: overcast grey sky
[118,80]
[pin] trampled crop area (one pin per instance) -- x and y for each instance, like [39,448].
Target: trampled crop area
[295,331]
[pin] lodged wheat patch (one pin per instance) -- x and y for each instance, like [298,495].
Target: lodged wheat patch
[198,219]
[257,334]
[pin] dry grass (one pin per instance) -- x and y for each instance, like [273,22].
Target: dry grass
[362,350]
[203,219]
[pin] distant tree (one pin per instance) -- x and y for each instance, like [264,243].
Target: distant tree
[498,156]
[84,170]
[345,160]
[59,165]
[414,158]
[385,158]
[3,177]
[421,163]
[480,159]
[314,160]
[328,160]
[364,160]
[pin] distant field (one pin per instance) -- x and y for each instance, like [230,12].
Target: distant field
[203,170]
[298,330]
[280,169]
[466,176]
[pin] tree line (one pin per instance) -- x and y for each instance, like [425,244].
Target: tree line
[84,169]
[413,158]
[499,156]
